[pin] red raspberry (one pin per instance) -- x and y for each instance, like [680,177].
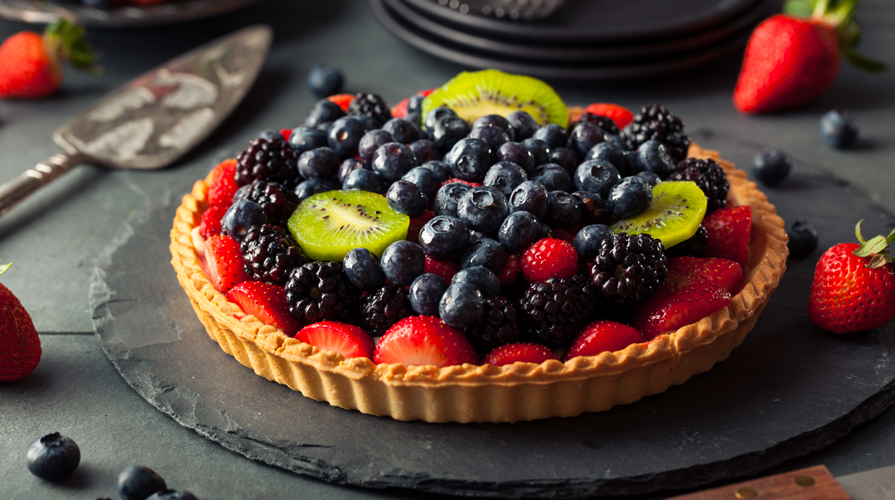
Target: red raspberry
[549,258]
[443,268]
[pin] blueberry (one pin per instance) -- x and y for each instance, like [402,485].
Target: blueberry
[518,231]
[310,187]
[138,482]
[653,156]
[402,262]
[53,457]
[461,305]
[546,231]
[552,176]
[485,252]
[584,137]
[632,163]
[469,159]
[771,166]
[524,126]
[344,136]
[371,141]
[321,162]
[363,270]
[630,197]
[415,104]
[651,178]
[564,157]
[493,136]
[589,239]
[564,211]
[436,114]
[483,209]
[448,197]
[425,293]
[425,179]
[402,130]
[368,122]
[441,170]
[307,138]
[838,129]
[530,196]
[350,165]
[484,279]
[392,161]
[271,135]
[802,239]
[444,237]
[323,111]
[240,217]
[448,131]
[495,121]
[517,153]
[424,150]
[325,80]
[365,180]
[593,209]
[172,495]
[553,135]
[596,176]
[609,151]
[416,119]
[539,151]
[505,176]
[407,198]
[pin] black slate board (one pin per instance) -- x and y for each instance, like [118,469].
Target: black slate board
[790,389]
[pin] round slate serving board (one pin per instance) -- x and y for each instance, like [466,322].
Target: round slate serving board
[790,389]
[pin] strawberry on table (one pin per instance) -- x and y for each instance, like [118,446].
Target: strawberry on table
[265,301]
[600,336]
[19,343]
[508,354]
[348,340]
[31,64]
[424,340]
[223,261]
[729,230]
[854,286]
[792,59]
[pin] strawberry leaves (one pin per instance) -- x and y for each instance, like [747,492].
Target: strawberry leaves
[3,268]
[877,248]
[66,39]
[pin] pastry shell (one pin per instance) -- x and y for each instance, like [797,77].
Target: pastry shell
[487,393]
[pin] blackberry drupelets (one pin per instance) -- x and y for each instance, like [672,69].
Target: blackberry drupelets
[270,254]
[371,105]
[655,122]
[557,308]
[710,178]
[317,291]
[277,201]
[272,161]
[499,325]
[383,308]
[694,246]
[628,269]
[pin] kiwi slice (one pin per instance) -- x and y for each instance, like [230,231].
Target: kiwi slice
[491,92]
[673,216]
[329,225]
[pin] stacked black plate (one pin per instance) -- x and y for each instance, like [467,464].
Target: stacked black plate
[582,39]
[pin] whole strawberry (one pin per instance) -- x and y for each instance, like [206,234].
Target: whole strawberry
[854,286]
[31,64]
[792,59]
[19,343]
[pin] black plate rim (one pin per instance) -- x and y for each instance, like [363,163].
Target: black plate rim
[30,11]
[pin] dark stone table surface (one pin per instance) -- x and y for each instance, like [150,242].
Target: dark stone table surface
[56,238]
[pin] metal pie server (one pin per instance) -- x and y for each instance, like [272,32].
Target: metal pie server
[157,118]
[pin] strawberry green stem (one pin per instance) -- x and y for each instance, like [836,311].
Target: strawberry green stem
[4,268]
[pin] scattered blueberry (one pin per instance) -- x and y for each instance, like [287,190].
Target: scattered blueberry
[323,111]
[596,176]
[564,157]
[371,141]
[802,239]
[651,178]
[505,176]
[609,151]
[424,178]
[771,166]
[441,169]
[593,208]
[517,153]
[350,165]
[519,230]
[325,80]
[469,159]
[436,114]
[461,305]
[484,279]
[365,180]
[415,104]
[240,217]
[138,482]
[53,457]
[271,135]
[483,209]
[653,156]
[425,293]
[402,130]
[317,185]
[363,270]
[630,197]
[495,121]
[539,151]
[524,125]
[492,136]
[589,239]
[407,198]
[402,262]
[552,176]
[424,150]
[555,136]
[448,197]
[585,136]
[444,237]
[838,129]
[307,138]
[448,131]
[485,252]
[564,211]
[321,162]
[392,161]
[530,196]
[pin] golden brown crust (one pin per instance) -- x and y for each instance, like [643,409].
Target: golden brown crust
[487,393]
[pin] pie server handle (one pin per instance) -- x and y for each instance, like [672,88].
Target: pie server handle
[29,181]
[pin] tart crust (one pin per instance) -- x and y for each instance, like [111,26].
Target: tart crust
[487,393]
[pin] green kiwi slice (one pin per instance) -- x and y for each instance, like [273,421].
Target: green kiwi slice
[329,225]
[673,216]
[491,92]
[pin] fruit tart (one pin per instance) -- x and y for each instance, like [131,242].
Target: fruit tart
[478,253]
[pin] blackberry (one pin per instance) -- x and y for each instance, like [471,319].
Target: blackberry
[628,269]
[694,246]
[273,161]
[557,309]
[383,308]
[277,201]
[607,124]
[655,122]
[708,175]
[371,105]
[499,325]
[269,253]
[318,291]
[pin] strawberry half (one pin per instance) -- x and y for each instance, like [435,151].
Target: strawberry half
[343,100]
[348,340]
[522,352]
[211,220]
[223,261]
[620,115]
[549,258]
[400,110]
[600,336]
[729,230]
[223,183]
[725,273]
[679,301]
[424,341]
[265,301]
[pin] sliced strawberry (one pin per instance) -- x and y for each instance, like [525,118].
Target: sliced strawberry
[523,352]
[348,340]
[223,184]
[729,232]
[723,272]
[223,262]
[286,133]
[620,115]
[443,268]
[211,220]
[549,258]
[424,341]
[265,301]
[343,100]
[416,225]
[400,110]
[510,271]
[600,336]
[677,303]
